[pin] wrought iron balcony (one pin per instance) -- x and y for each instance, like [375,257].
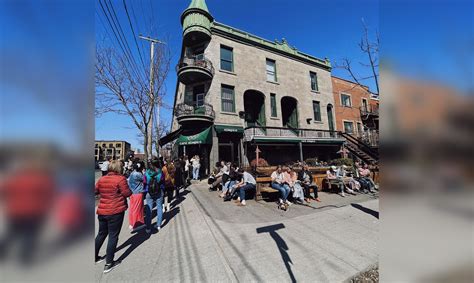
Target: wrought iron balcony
[287,133]
[369,110]
[194,114]
[194,69]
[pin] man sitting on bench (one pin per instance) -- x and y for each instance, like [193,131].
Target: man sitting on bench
[334,176]
[306,180]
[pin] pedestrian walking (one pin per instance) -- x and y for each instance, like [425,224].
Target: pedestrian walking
[169,171]
[113,191]
[154,189]
[104,168]
[195,161]
[135,182]
[187,168]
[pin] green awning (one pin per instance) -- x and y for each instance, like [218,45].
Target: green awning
[229,129]
[204,137]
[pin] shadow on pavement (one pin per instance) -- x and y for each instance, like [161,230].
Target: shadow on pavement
[132,243]
[281,244]
[366,210]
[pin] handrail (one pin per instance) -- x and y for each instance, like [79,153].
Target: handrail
[367,148]
[295,132]
[370,109]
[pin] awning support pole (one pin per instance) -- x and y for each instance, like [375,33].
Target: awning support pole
[300,144]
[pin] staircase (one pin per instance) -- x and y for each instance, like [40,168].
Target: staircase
[361,149]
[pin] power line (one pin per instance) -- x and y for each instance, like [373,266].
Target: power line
[120,40]
[124,39]
[133,32]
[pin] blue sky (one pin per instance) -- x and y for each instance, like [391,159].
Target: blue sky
[321,28]
[47,50]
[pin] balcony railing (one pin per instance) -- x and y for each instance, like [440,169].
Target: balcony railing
[369,110]
[369,137]
[196,61]
[205,110]
[251,132]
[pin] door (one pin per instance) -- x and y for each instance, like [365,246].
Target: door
[330,118]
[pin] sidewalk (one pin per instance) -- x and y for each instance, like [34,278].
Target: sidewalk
[208,240]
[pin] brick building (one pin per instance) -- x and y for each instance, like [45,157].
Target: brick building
[357,110]
[237,91]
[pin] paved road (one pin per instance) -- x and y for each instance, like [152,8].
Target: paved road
[206,240]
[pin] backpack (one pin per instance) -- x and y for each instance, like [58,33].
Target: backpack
[155,184]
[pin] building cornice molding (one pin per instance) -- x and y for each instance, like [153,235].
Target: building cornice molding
[281,48]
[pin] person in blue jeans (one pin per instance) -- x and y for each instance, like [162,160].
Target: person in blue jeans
[279,183]
[247,183]
[154,194]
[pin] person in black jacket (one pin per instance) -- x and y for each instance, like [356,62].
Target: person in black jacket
[306,179]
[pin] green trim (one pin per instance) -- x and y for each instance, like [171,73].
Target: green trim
[297,140]
[280,47]
[273,105]
[204,137]
[228,129]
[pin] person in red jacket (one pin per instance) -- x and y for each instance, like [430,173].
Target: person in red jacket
[113,191]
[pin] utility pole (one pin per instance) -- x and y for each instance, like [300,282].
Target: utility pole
[152,96]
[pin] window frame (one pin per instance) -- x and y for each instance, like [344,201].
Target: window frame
[316,89]
[273,105]
[366,106]
[231,49]
[350,100]
[224,86]
[344,126]
[275,77]
[316,102]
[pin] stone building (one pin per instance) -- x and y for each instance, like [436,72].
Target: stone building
[237,91]
[113,149]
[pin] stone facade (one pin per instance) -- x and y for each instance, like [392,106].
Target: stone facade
[250,74]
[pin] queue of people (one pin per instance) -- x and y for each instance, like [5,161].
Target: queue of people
[155,184]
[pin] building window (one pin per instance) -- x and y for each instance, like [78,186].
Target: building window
[348,127]
[227,59]
[365,107]
[111,145]
[317,111]
[273,104]
[227,98]
[346,100]
[271,71]
[199,99]
[359,128]
[118,145]
[314,81]
[96,146]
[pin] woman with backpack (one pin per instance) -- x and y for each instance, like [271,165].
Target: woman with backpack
[135,182]
[154,189]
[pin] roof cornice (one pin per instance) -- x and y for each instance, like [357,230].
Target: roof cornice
[282,48]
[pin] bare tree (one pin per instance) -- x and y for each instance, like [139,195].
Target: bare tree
[371,49]
[123,88]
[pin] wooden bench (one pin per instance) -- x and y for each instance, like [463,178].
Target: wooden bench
[264,186]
